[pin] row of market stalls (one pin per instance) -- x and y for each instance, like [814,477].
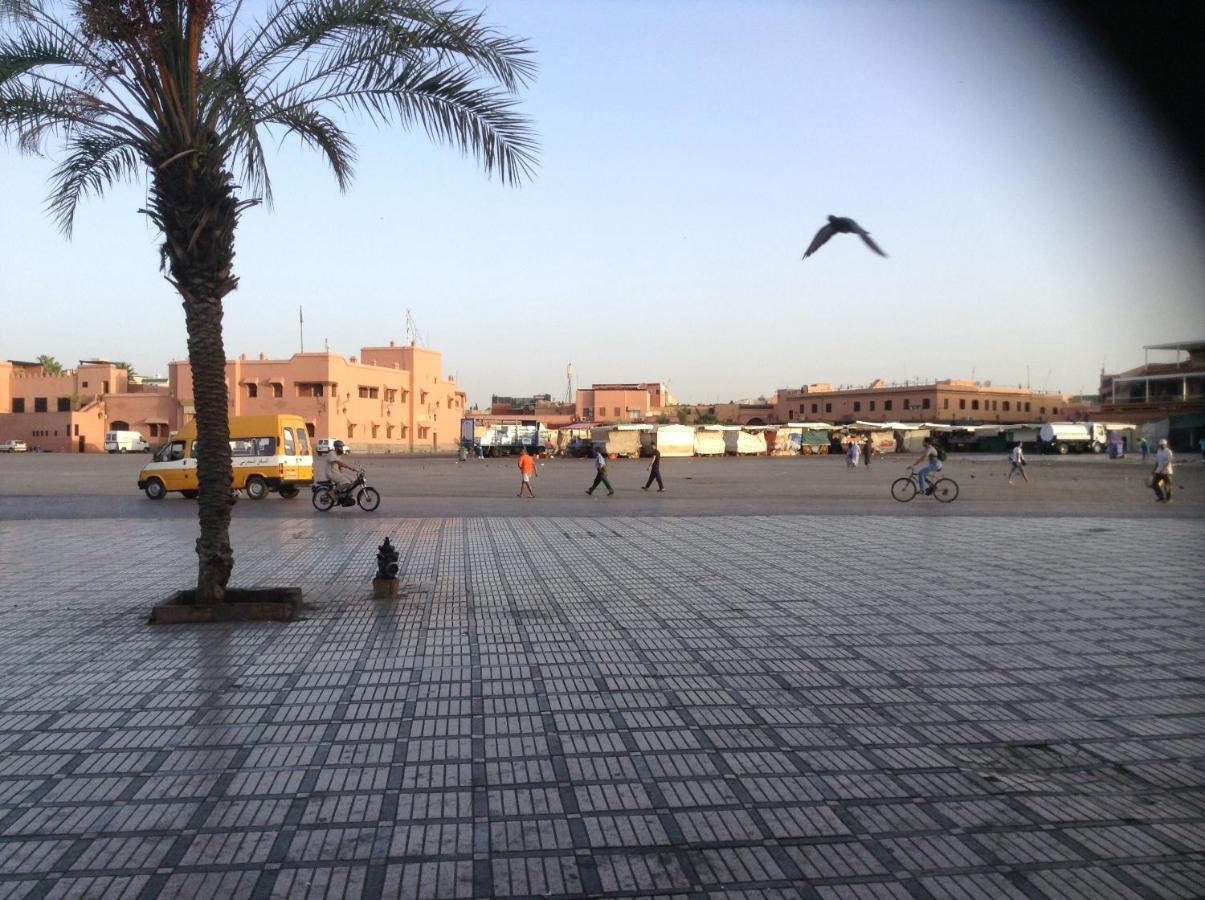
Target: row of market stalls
[810,438]
[820,438]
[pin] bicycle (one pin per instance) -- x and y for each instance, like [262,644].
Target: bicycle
[944,490]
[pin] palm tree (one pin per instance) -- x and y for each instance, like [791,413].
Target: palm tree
[189,92]
[50,365]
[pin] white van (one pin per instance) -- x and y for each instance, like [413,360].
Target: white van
[13,447]
[125,442]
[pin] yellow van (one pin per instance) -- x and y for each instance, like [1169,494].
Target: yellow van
[269,453]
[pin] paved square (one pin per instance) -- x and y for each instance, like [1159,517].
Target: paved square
[789,706]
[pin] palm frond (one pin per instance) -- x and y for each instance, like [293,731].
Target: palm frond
[96,162]
[318,131]
[453,110]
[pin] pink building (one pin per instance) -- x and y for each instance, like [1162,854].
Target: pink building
[622,402]
[391,400]
[70,412]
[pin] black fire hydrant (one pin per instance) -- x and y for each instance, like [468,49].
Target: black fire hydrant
[385,583]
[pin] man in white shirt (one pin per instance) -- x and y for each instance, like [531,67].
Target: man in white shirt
[1162,481]
[931,461]
[1016,457]
[331,468]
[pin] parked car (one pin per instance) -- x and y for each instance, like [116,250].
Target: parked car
[324,445]
[126,442]
[13,447]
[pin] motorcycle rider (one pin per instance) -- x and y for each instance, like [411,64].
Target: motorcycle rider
[332,468]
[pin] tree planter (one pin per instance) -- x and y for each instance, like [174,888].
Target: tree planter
[241,605]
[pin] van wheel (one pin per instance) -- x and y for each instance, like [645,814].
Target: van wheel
[289,491]
[155,490]
[1063,449]
[124,450]
[257,488]
[190,495]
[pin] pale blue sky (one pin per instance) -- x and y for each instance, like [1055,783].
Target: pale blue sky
[690,150]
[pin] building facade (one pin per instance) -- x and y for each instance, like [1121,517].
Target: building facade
[71,411]
[951,400]
[637,402]
[1158,390]
[391,399]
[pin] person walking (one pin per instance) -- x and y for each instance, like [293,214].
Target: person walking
[1016,458]
[600,473]
[1162,480]
[1144,447]
[851,453]
[1201,444]
[654,472]
[867,449]
[527,470]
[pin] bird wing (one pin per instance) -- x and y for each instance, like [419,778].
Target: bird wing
[822,235]
[871,244]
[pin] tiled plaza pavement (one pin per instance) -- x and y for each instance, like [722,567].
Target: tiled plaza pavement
[707,707]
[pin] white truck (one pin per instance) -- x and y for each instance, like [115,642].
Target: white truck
[1073,437]
[125,442]
[492,437]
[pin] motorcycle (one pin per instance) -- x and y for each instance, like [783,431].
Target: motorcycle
[326,495]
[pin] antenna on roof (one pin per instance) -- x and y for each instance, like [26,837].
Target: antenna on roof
[569,383]
[412,336]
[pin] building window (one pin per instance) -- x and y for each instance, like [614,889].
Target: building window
[77,431]
[872,404]
[310,389]
[375,427]
[1006,406]
[368,393]
[39,404]
[1054,410]
[1042,410]
[886,406]
[924,404]
[64,404]
[106,390]
[390,395]
[85,384]
[278,390]
[389,432]
[1027,406]
[945,402]
[828,407]
[790,414]
[962,403]
[994,404]
[18,404]
[351,430]
[857,406]
[252,390]
[422,398]
[815,408]
[616,415]
[974,404]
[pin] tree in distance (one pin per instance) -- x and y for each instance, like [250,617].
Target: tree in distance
[191,91]
[50,365]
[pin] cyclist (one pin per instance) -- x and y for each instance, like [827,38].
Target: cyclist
[930,461]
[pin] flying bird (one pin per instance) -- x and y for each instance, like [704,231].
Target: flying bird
[840,225]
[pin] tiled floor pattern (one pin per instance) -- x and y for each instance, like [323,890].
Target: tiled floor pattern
[724,707]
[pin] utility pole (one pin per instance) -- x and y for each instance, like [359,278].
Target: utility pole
[301,327]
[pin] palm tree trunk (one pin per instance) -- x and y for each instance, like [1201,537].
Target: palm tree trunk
[194,204]
[207,356]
